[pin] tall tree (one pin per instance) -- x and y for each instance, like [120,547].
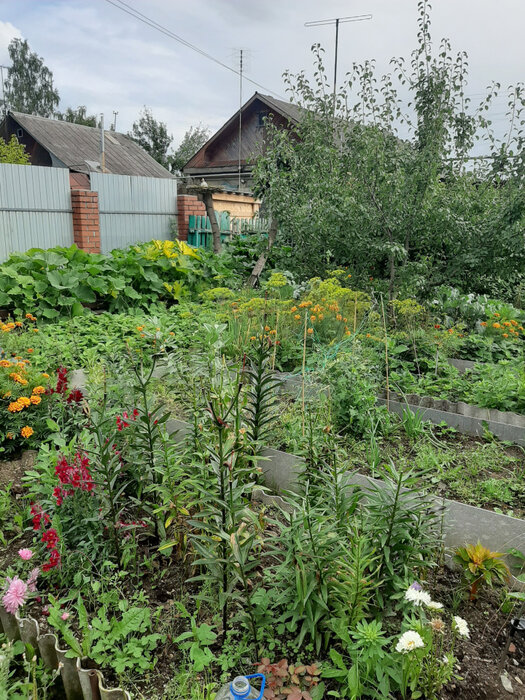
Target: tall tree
[193,139]
[29,85]
[13,152]
[153,136]
[78,116]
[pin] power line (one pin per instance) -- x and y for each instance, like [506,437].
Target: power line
[121,5]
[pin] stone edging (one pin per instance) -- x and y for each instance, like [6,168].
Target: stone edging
[462,523]
[79,683]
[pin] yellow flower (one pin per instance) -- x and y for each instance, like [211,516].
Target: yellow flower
[26,431]
[39,390]
[339,317]
[294,308]
[349,276]
[506,323]
[514,323]
[35,400]
[297,317]
[24,401]
[46,375]
[273,332]
[321,316]
[253,337]
[15,406]
[140,328]
[312,317]
[505,335]
[35,330]
[267,328]
[5,363]
[310,331]
[496,315]
[10,436]
[496,325]
[18,324]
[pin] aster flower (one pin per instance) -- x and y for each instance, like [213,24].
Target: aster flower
[31,581]
[434,605]
[15,595]
[25,554]
[409,641]
[417,596]
[461,627]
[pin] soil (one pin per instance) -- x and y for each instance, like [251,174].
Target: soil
[12,470]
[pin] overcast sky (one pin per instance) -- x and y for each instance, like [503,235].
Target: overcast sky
[107,60]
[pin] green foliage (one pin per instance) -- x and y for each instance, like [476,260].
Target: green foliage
[13,152]
[78,116]
[60,281]
[480,565]
[419,212]
[196,641]
[194,138]
[152,136]
[120,638]
[29,84]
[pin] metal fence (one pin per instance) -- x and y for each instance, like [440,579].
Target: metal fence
[35,208]
[134,209]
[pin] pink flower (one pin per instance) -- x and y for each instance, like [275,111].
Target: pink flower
[25,554]
[31,581]
[15,596]
[64,615]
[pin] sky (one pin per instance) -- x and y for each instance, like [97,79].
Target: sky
[109,61]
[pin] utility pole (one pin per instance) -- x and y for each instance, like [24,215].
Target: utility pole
[102,147]
[4,103]
[337,21]
[114,120]
[240,117]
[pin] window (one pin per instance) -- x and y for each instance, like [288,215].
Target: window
[261,116]
[19,133]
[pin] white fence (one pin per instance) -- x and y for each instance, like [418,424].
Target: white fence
[35,208]
[134,209]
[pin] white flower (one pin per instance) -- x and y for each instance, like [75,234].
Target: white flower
[409,641]
[418,597]
[434,605]
[461,626]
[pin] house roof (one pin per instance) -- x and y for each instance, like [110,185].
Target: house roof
[288,110]
[77,147]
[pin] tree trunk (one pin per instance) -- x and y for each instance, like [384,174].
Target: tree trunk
[208,202]
[263,257]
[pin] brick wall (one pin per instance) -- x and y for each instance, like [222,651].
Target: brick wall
[187,204]
[86,223]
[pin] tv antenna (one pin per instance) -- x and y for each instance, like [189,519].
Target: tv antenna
[337,21]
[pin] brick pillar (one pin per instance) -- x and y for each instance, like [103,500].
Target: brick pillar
[187,204]
[86,222]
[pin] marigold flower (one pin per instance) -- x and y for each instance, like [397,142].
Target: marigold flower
[140,328]
[35,400]
[483,323]
[505,335]
[507,323]
[267,328]
[273,332]
[310,331]
[339,317]
[15,406]
[297,317]
[39,389]
[496,325]
[25,401]
[496,315]
[320,317]
[18,324]
[26,432]
[10,436]
[514,323]
[349,276]
[46,376]
[30,350]
[294,308]
[253,337]
[35,330]
[5,363]
[312,317]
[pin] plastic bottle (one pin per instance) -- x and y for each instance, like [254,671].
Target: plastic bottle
[240,689]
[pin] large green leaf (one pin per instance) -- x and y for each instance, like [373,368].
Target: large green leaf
[85,294]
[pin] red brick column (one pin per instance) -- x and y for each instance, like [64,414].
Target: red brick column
[86,222]
[187,204]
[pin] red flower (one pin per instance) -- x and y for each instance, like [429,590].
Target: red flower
[75,396]
[38,516]
[54,560]
[61,380]
[51,539]
[75,474]
[437,326]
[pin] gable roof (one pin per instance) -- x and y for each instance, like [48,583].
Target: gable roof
[287,110]
[77,147]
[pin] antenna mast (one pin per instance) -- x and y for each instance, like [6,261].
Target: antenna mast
[240,117]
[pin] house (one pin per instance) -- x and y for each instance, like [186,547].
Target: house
[227,161]
[60,144]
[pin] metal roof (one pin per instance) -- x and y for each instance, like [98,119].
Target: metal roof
[77,147]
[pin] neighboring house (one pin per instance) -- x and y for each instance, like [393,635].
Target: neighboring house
[218,160]
[60,144]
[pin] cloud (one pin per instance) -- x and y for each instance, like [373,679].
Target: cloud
[7,32]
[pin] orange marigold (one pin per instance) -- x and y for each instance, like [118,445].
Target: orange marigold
[496,325]
[15,406]
[297,317]
[5,363]
[35,400]
[505,335]
[45,375]
[39,390]
[10,436]
[483,323]
[25,401]
[310,331]
[26,431]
